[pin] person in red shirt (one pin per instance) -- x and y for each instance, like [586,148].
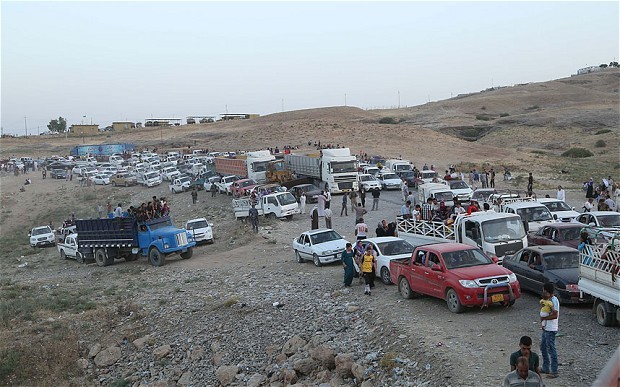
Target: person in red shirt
[473,207]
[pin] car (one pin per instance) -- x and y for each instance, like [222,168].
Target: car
[428,176]
[200,229]
[368,181]
[180,184]
[389,180]
[42,236]
[59,165]
[565,234]
[123,179]
[534,214]
[242,187]
[388,248]
[460,189]
[603,219]
[58,174]
[409,177]
[170,173]
[100,179]
[482,195]
[536,265]
[211,182]
[224,185]
[311,190]
[321,246]
[559,209]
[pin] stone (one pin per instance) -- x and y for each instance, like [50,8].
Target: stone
[82,363]
[343,362]
[367,383]
[281,358]
[289,376]
[185,379]
[256,380]
[358,371]
[324,355]
[94,350]
[162,351]
[352,308]
[305,366]
[226,374]
[141,342]
[292,345]
[323,376]
[197,354]
[217,358]
[215,346]
[108,356]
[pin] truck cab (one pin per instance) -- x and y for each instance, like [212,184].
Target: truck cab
[149,178]
[225,183]
[396,166]
[180,184]
[534,214]
[69,248]
[280,205]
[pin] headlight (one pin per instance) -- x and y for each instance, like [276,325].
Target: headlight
[166,246]
[572,287]
[468,283]
[512,277]
[326,252]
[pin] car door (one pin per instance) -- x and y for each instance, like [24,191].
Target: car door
[434,279]
[519,266]
[418,283]
[535,272]
[305,248]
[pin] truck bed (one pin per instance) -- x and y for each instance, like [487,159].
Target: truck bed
[598,276]
[117,232]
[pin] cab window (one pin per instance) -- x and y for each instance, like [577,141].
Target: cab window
[432,260]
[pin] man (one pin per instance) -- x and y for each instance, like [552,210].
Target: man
[547,340]
[359,212]
[404,188]
[476,178]
[427,210]
[522,376]
[561,195]
[405,210]
[361,229]
[589,205]
[411,198]
[100,210]
[213,190]
[492,178]
[328,217]
[194,195]
[376,192]
[118,212]
[253,215]
[302,203]
[530,185]
[525,350]
[314,218]
[328,196]
[610,203]
[344,205]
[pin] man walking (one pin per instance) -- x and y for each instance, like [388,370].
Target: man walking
[359,212]
[213,190]
[328,217]
[194,195]
[302,203]
[344,205]
[253,215]
[550,329]
[525,350]
[100,210]
[376,192]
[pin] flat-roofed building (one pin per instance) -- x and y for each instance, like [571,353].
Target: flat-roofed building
[123,125]
[84,129]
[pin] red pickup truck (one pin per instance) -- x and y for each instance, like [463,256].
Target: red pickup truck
[458,273]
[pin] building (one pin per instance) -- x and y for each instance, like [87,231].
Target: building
[123,125]
[84,130]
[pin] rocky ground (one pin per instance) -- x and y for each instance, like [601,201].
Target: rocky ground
[243,312]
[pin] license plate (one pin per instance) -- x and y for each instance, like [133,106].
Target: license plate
[497,298]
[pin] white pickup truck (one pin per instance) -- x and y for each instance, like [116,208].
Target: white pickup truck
[180,184]
[69,248]
[280,205]
[225,184]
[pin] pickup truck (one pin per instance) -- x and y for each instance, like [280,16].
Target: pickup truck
[460,274]
[280,205]
[180,184]
[242,187]
[69,248]
[225,184]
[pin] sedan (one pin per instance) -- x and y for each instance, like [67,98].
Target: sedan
[559,209]
[388,248]
[565,234]
[389,181]
[311,191]
[409,177]
[321,246]
[534,266]
[58,174]
[100,179]
[604,219]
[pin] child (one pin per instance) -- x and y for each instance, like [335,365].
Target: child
[368,262]
[546,306]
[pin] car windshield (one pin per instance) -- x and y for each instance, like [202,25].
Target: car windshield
[610,220]
[465,258]
[429,174]
[562,260]
[395,247]
[326,236]
[407,174]
[403,167]
[535,214]
[197,224]
[248,183]
[458,185]
[286,199]
[557,206]
[184,180]
[343,166]
[367,178]
[308,188]
[388,176]
[41,231]
[444,196]
[571,233]
[498,230]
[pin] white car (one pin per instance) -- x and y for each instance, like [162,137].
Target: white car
[368,181]
[559,209]
[170,173]
[321,246]
[225,184]
[200,229]
[180,184]
[100,179]
[604,219]
[210,182]
[460,189]
[389,180]
[387,249]
[42,236]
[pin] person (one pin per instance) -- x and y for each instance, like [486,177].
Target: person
[328,196]
[530,184]
[405,210]
[359,212]
[416,213]
[118,212]
[328,217]
[213,190]
[588,205]
[391,230]
[427,210]
[381,228]
[589,187]
[363,196]
[610,203]
[547,341]
[44,172]
[344,205]
[475,178]
[302,203]
[194,195]
[584,240]
[353,197]
[361,229]
[404,188]
[545,310]
[109,207]
[320,200]
[525,350]
[376,193]
[522,375]
[473,207]
[314,216]
[253,215]
[561,195]
[367,264]
[100,210]
[492,178]
[347,264]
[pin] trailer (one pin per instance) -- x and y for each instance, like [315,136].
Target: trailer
[252,165]
[332,169]
[105,240]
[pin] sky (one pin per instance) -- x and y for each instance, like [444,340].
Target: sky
[114,61]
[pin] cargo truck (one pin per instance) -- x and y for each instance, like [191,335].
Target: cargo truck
[252,165]
[332,169]
[280,205]
[105,240]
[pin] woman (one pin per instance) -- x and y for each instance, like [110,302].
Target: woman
[584,240]
[368,264]
[347,264]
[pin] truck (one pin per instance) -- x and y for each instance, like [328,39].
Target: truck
[180,184]
[69,248]
[333,169]
[279,205]
[149,178]
[441,192]
[497,234]
[459,274]
[252,165]
[105,240]
[599,269]
[534,215]
[397,165]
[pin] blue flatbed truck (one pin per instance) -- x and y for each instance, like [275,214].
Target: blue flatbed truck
[105,240]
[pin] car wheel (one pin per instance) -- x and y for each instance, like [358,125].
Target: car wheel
[298,256]
[63,255]
[385,276]
[79,257]
[404,288]
[101,257]
[156,258]
[289,217]
[316,260]
[173,191]
[602,316]
[454,304]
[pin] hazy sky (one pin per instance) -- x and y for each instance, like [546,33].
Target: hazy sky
[113,61]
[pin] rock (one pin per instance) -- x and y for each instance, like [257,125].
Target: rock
[217,358]
[323,377]
[358,371]
[256,380]
[226,374]
[324,355]
[108,356]
[215,346]
[343,362]
[352,308]
[162,351]
[141,342]
[289,376]
[367,383]
[185,379]
[292,345]
[197,354]
[305,366]
[94,350]
[281,358]
[82,363]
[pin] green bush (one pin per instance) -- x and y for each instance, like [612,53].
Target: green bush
[603,131]
[482,117]
[600,144]
[387,120]
[504,115]
[577,153]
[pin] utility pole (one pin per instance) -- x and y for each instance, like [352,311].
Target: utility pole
[26,125]
[345,99]
[282,105]
[399,99]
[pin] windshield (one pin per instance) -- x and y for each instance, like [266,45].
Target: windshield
[465,258]
[248,183]
[388,176]
[41,231]
[308,188]
[403,167]
[407,174]
[197,224]
[557,206]
[326,236]
[395,247]
[443,196]
[535,214]
[428,174]
[610,220]
[498,230]
[563,260]
[459,185]
[278,166]
[184,180]
[158,223]
[151,175]
[372,171]
[286,199]
[260,166]
[343,166]
[367,178]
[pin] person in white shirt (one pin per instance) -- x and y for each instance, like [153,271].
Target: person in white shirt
[561,195]
[361,229]
[328,217]
[302,203]
[118,212]
[588,206]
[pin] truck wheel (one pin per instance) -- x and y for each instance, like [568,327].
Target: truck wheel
[101,257]
[79,257]
[385,276]
[289,217]
[454,304]
[603,317]
[188,254]
[316,260]
[156,258]
[298,256]
[404,288]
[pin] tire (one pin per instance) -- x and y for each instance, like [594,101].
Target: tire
[316,260]
[188,254]
[385,276]
[156,258]
[298,256]
[453,302]
[603,317]
[63,255]
[173,191]
[101,258]
[79,257]
[404,288]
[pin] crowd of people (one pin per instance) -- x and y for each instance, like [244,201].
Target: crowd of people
[153,209]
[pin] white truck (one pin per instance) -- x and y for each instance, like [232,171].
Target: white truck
[496,234]
[332,169]
[149,178]
[397,165]
[180,184]
[438,191]
[69,248]
[251,165]
[599,269]
[279,205]
[224,185]
[534,214]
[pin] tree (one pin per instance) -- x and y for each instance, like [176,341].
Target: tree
[58,126]
[613,64]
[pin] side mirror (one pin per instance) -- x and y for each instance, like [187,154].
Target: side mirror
[555,217]
[494,259]
[592,224]
[435,267]
[210,224]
